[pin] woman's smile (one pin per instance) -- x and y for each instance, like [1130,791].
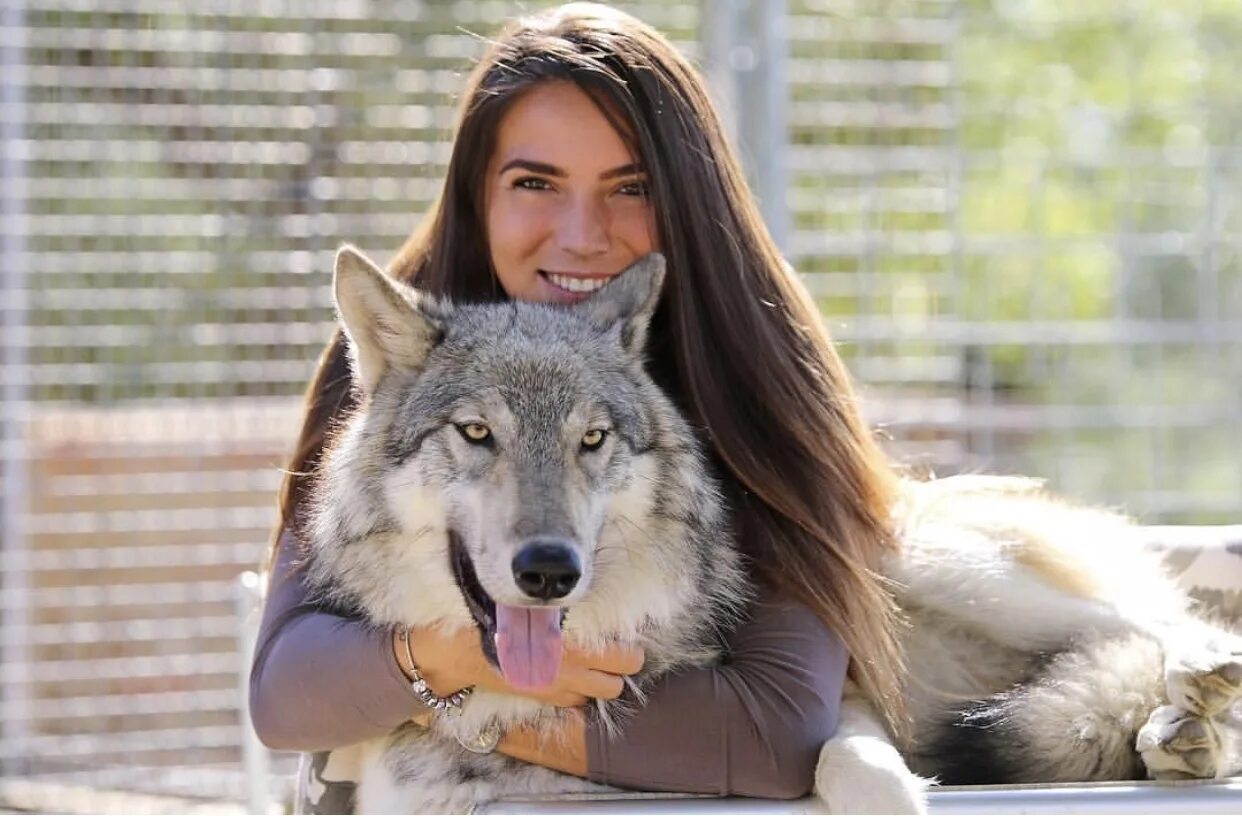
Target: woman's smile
[575,282]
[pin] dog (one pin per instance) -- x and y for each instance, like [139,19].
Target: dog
[512,468]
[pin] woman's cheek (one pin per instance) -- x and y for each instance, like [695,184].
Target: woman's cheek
[635,223]
[522,222]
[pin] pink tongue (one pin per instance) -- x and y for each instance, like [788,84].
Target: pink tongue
[528,643]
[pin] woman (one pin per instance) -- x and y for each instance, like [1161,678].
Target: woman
[586,141]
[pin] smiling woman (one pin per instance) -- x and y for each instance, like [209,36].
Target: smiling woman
[566,201]
[586,142]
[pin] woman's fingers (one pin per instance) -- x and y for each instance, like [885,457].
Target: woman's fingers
[614,659]
[573,684]
[552,695]
[591,683]
[453,660]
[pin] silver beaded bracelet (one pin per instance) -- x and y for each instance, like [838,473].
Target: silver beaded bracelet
[450,704]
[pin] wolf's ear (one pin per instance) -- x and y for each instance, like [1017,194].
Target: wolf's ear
[630,299]
[389,325]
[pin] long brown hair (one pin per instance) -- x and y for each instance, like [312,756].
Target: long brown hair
[737,341]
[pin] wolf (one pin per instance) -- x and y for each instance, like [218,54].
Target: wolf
[513,468]
[1044,645]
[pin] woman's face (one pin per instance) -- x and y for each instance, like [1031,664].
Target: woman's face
[565,202]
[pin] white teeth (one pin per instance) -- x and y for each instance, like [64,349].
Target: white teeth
[574,284]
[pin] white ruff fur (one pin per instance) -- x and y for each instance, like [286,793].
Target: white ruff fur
[635,585]
[417,552]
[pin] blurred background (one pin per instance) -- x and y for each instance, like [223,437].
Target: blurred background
[1022,219]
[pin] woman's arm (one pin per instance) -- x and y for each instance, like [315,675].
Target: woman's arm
[318,680]
[752,726]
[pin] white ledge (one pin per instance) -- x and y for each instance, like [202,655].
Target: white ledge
[1195,796]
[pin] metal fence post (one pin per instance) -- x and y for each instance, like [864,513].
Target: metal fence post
[746,56]
[718,34]
[256,761]
[767,128]
[15,657]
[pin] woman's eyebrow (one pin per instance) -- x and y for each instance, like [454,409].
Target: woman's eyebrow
[542,168]
[545,169]
[631,169]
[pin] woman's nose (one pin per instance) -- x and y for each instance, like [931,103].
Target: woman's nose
[584,228]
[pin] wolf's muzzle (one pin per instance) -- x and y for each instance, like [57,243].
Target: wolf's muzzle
[547,569]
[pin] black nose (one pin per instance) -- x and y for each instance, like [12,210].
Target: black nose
[547,569]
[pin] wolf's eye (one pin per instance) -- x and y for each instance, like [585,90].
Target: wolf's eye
[475,433]
[592,439]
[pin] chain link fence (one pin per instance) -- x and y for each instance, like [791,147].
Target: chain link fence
[1022,219]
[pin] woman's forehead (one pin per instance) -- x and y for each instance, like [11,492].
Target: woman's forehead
[558,124]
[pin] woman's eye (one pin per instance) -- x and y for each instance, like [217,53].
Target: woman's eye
[591,440]
[531,183]
[475,433]
[634,188]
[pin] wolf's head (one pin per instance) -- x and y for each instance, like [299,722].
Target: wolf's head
[514,465]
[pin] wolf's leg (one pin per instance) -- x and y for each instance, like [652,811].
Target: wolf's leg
[860,770]
[1175,744]
[1203,669]
[1199,734]
[1075,721]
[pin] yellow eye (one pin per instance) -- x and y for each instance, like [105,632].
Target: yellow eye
[475,432]
[591,440]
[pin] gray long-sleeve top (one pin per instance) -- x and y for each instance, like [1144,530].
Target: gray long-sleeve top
[751,726]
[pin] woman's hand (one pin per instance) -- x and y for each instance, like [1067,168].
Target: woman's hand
[561,747]
[451,661]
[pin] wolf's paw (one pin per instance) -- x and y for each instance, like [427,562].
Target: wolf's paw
[1175,744]
[860,774]
[1208,680]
